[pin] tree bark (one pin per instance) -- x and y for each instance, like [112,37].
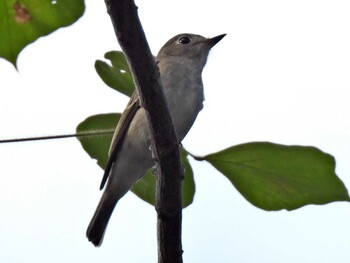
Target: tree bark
[165,147]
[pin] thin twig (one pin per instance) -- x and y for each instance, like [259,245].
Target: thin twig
[60,136]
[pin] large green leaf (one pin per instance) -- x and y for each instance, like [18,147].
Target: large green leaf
[275,177]
[98,146]
[118,75]
[24,21]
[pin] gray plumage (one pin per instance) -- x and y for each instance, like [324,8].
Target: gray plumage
[180,61]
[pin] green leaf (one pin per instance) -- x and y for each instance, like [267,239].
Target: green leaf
[118,76]
[275,177]
[22,22]
[146,186]
[98,146]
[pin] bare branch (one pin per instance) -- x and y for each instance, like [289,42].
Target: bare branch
[165,148]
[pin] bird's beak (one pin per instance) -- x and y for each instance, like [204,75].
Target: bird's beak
[214,40]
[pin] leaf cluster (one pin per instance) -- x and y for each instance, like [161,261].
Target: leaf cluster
[270,176]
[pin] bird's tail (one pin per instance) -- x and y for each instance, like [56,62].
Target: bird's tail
[99,221]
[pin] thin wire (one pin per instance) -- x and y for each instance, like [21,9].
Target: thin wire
[61,136]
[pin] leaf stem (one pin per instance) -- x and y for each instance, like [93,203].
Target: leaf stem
[196,157]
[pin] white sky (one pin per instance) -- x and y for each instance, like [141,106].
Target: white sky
[281,74]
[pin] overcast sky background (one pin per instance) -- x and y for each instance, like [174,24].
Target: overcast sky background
[282,74]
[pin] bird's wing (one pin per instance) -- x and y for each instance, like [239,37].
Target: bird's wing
[122,127]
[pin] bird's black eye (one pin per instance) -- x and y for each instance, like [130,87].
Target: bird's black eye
[184,40]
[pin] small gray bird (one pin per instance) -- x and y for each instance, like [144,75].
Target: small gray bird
[180,61]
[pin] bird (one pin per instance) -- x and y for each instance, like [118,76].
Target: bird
[180,61]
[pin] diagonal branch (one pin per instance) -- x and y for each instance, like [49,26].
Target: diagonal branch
[165,148]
